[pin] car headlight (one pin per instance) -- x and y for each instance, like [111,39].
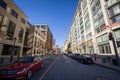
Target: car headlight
[21,71]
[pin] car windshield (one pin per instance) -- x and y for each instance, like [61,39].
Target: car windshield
[77,54]
[85,55]
[26,59]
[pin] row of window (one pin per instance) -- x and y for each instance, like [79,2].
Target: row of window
[99,29]
[11,30]
[111,2]
[13,12]
[114,10]
[43,27]
[98,15]
[36,51]
[95,6]
[38,43]
[105,36]
[40,35]
[84,4]
[21,34]
[102,38]
[7,50]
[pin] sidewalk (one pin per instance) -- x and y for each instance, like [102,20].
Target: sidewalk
[107,65]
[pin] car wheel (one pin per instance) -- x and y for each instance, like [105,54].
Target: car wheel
[29,74]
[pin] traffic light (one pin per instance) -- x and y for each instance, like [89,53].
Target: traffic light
[110,36]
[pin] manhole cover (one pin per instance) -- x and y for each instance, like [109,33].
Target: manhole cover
[101,78]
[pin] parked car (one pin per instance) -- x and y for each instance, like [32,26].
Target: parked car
[69,54]
[21,69]
[76,56]
[85,59]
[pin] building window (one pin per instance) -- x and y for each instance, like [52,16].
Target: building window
[97,30]
[22,20]
[35,42]
[104,49]
[7,50]
[3,4]
[116,19]
[107,48]
[95,7]
[117,33]
[101,20]
[21,34]
[102,38]
[101,49]
[34,51]
[1,19]
[14,13]
[114,10]
[43,27]
[11,30]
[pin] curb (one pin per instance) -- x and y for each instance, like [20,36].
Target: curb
[107,66]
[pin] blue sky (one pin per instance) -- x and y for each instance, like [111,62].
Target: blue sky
[58,14]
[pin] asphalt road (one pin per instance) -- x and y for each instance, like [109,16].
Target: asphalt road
[61,67]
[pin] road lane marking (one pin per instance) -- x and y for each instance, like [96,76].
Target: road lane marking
[47,70]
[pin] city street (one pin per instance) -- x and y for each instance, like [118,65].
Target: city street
[61,67]
[33,38]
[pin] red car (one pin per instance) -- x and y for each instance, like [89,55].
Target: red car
[21,69]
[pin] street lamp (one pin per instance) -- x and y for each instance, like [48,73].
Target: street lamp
[13,48]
